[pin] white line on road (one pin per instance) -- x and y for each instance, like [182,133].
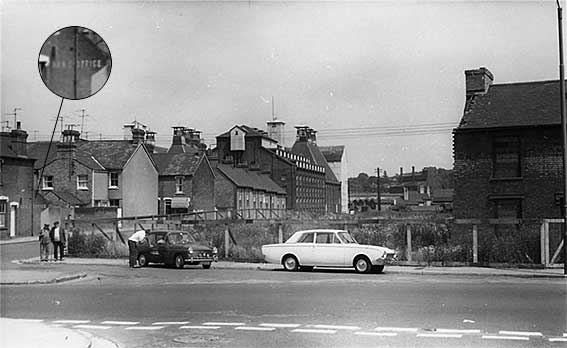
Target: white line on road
[517,338]
[200,327]
[386,334]
[111,322]
[558,339]
[458,331]
[433,335]
[396,329]
[94,327]
[564,334]
[170,323]
[281,325]
[144,328]
[213,323]
[520,333]
[335,327]
[72,321]
[254,328]
[315,331]
[30,320]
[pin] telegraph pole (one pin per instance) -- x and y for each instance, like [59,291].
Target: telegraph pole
[378,198]
[563,132]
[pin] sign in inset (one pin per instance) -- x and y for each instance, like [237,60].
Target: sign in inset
[74,62]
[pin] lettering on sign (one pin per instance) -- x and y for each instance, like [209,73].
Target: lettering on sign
[81,64]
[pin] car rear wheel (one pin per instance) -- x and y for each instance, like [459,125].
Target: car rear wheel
[179,261]
[142,260]
[362,265]
[290,263]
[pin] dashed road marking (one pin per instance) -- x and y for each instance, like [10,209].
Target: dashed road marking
[71,321]
[396,329]
[494,337]
[254,328]
[94,327]
[144,328]
[558,339]
[214,323]
[335,327]
[170,323]
[200,327]
[519,333]
[112,322]
[458,331]
[291,326]
[385,334]
[439,335]
[318,331]
[564,334]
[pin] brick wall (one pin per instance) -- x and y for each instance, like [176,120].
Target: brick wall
[65,171]
[225,192]
[204,187]
[18,185]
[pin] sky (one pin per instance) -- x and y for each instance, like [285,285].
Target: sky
[383,78]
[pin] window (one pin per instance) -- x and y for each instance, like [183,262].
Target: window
[82,182]
[324,238]
[506,158]
[307,238]
[113,180]
[179,184]
[114,202]
[508,208]
[3,212]
[47,182]
[167,205]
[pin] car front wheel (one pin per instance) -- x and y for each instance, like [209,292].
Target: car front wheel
[290,263]
[179,261]
[362,265]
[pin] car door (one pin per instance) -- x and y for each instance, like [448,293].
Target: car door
[161,249]
[304,249]
[328,250]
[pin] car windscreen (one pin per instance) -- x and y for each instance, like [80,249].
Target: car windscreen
[347,238]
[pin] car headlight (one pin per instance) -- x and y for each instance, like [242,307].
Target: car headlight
[190,250]
[215,250]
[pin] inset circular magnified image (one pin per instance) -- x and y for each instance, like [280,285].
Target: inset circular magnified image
[74,62]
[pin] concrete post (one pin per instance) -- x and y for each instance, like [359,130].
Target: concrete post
[408,237]
[226,241]
[280,233]
[542,242]
[546,241]
[475,243]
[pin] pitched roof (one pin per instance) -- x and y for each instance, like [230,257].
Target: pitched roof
[242,177]
[250,132]
[333,153]
[177,163]
[514,105]
[56,197]
[311,151]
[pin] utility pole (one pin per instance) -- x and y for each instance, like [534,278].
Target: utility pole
[563,133]
[83,118]
[378,198]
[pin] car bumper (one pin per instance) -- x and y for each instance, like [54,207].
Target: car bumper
[195,259]
[390,259]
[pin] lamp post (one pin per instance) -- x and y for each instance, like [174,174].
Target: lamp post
[563,132]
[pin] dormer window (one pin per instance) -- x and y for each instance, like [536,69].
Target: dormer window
[47,182]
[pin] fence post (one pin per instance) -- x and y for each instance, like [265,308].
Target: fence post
[280,233]
[546,241]
[226,241]
[408,238]
[475,243]
[542,243]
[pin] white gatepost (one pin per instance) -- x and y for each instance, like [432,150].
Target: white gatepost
[13,207]
[475,243]
[408,238]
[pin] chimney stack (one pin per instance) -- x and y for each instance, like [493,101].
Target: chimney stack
[18,139]
[276,131]
[478,81]
[138,135]
[401,175]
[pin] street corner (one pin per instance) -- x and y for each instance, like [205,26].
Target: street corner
[31,277]
[16,334]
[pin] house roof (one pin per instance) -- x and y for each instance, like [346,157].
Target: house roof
[177,163]
[242,177]
[58,197]
[332,153]
[250,132]
[311,151]
[514,105]
[443,195]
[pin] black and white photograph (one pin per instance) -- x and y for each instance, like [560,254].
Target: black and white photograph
[283,173]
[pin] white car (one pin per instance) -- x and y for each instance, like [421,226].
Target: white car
[327,248]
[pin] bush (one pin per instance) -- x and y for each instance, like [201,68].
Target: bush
[82,245]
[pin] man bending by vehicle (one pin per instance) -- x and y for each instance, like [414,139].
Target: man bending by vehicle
[133,243]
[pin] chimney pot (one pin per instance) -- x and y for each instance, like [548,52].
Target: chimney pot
[478,81]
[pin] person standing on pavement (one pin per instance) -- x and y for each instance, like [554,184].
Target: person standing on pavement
[133,243]
[44,242]
[58,237]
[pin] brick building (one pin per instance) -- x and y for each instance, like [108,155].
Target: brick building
[105,173]
[336,157]
[508,161]
[17,216]
[186,178]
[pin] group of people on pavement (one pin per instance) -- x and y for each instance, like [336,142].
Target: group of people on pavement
[55,236]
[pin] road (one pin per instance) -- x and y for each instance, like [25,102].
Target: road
[161,307]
